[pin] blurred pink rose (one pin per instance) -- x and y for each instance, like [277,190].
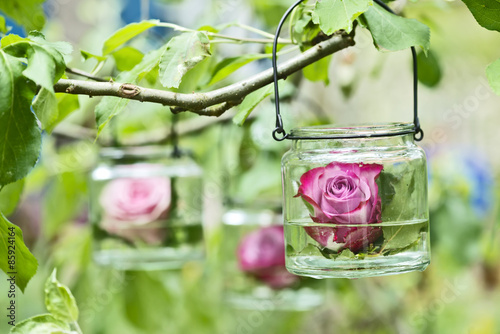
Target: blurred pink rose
[262,254]
[132,205]
[347,194]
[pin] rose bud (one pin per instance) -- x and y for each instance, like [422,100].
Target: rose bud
[344,194]
[262,254]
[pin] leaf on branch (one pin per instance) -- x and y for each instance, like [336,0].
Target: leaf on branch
[429,69]
[318,71]
[87,55]
[493,74]
[393,32]
[125,34]
[182,53]
[230,65]
[486,12]
[59,300]
[46,66]
[333,15]
[28,13]
[42,324]
[9,197]
[250,102]
[127,57]
[20,136]
[26,264]
[109,106]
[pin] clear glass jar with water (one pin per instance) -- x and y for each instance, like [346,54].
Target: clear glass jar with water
[146,208]
[355,207]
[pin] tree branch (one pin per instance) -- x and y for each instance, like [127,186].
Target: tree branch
[200,103]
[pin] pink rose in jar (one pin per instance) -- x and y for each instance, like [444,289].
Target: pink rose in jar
[344,194]
[133,206]
[262,255]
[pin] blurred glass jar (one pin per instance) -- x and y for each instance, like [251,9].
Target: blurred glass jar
[355,207]
[146,209]
[255,276]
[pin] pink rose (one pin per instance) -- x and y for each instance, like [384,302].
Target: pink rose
[132,205]
[262,254]
[346,194]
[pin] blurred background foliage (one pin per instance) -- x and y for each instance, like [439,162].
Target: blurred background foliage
[458,293]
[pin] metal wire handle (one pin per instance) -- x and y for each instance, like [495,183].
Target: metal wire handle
[418,133]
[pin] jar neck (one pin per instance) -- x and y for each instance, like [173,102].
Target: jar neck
[322,143]
[373,135]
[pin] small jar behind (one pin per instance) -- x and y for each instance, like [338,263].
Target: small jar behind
[255,276]
[355,207]
[146,209]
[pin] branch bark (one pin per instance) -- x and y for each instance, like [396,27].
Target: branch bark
[212,103]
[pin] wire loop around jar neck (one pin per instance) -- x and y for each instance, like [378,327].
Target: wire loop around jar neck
[417,132]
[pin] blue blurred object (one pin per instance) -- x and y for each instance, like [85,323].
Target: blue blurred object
[15,28]
[478,171]
[131,11]
[466,173]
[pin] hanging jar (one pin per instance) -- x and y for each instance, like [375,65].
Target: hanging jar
[255,276]
[146,208]
[355,207]
[355,198]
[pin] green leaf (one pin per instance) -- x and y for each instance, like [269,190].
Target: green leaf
[87,55]
[230,65]
[46,62]
[26,264]
[333,15]
[486,12]
[20,137]
[393,32]
[318,71]
[51,108]
[402,236]
[386,189]
[46,65]
[3,26]
[41,324]
[125,34]
[493,73]
[126,58]
[59,300]
[45,107]
[28,13]
[111,106]
[250,102]
[429,70]
[10,196]
[182,53]
[66,104]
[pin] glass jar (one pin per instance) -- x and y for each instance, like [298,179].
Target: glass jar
[355,207]
[146,209]
[255,276]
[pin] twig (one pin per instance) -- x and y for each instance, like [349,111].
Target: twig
[197,102]
[84,74]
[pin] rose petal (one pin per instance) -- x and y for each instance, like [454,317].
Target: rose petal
[261,249]
[138,201]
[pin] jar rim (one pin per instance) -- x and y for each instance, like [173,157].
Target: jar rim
[119,152]
[331,131]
